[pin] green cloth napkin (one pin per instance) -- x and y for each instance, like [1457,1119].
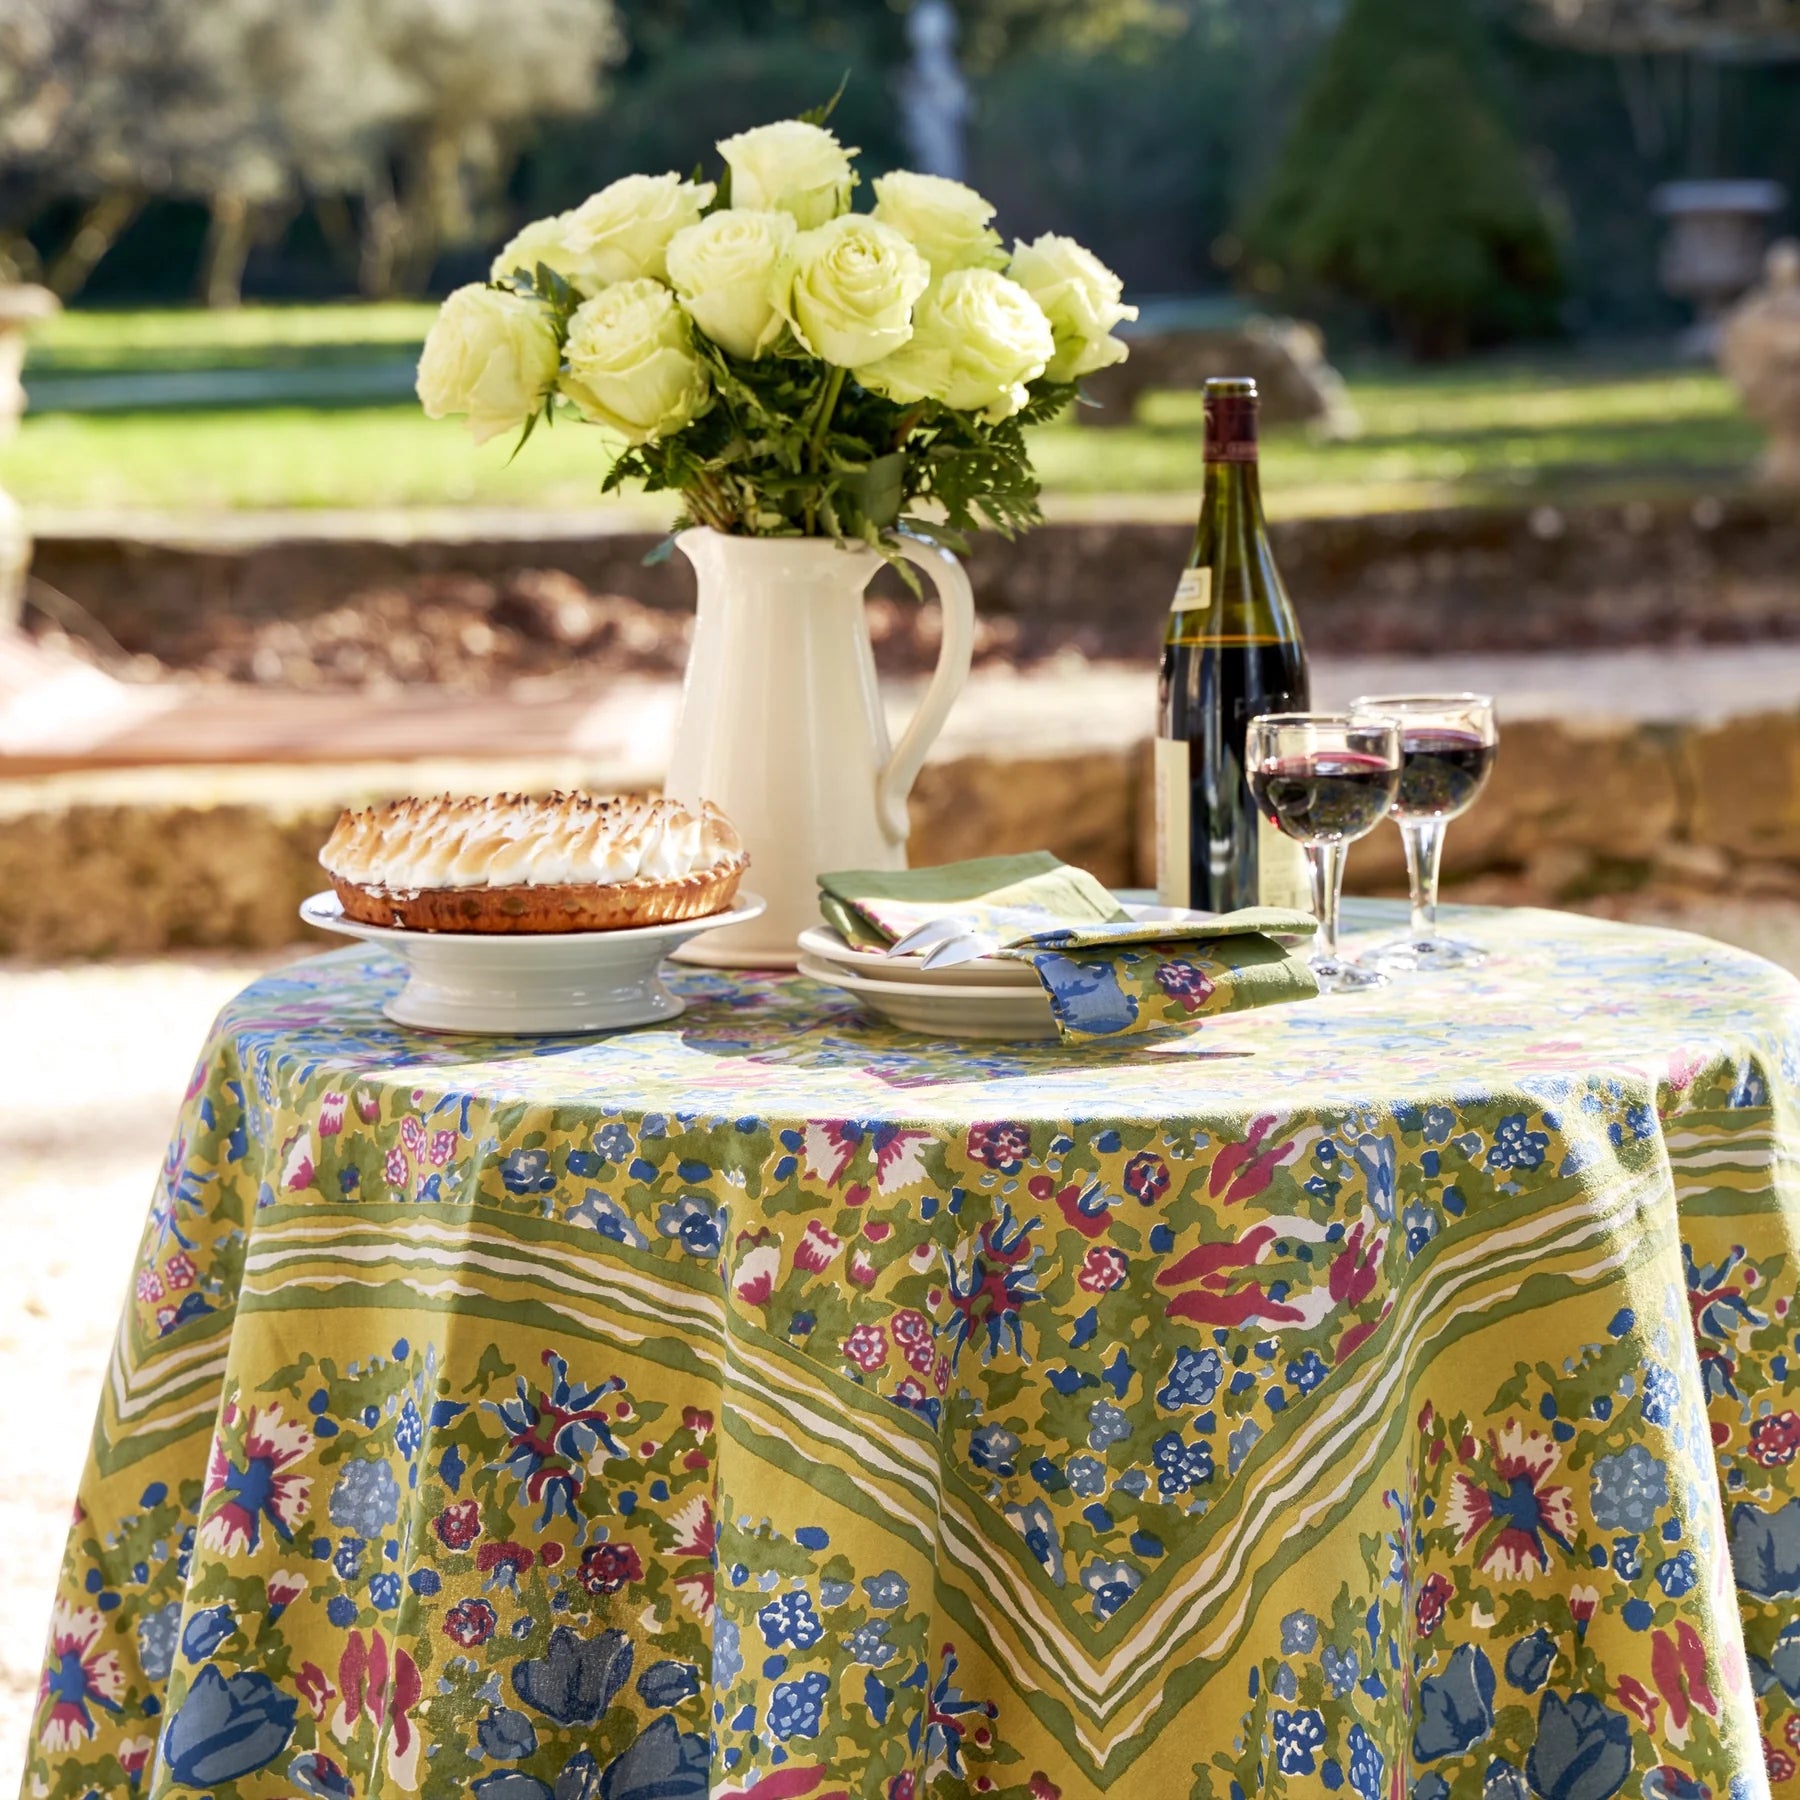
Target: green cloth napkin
[1006,895]
[1107,974]
[1111,981]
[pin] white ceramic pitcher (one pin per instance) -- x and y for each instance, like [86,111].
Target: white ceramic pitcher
[781,722]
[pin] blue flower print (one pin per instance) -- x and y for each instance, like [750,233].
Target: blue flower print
[1638,1121]
[1107,1424]
[1085,996]
[409,1430]
[1297,1736]
[868,1644]
[1440,1121]
[728,1658]
[365,1498]
[156,1636]
[1661,1395]
[1676,1576]
[614,1143]
[1765,1549]
[1036,1524]
[348,1559]
[1367,1765]
[1629,1490]
[1341,1669]
[663,1763]
[316,1775]
[1503,1782]
[668,1683]
[1583,1751]
[206,1631]
[993,1447]
[699,1227]
[1299,1632]
[506,1734]
[790,1619]
[1430,1786]
[796,1708]
[1306,1372]
[1456,1708]
[1420,1224]
[384,1591]
[1086,1476]
[1240,1444]
[886,1590]
[527,1172]
[608,1218]
[1180,1467]
[574,1681]
[1192,1381]
[1528,1661]
[1110,1585]
[226,1729]
[1515,1146]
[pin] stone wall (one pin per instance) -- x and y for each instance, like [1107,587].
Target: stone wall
[1425,582]
[1574,811]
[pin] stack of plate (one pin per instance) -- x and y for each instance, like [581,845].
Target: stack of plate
[987,998]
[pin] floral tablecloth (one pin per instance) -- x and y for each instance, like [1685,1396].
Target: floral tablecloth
[1388,1396]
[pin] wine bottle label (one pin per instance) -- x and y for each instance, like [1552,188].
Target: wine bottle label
[1174,822]
[1193,592]
[1281,878]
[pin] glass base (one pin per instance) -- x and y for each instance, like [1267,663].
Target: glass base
[1419,956]
[1338,977]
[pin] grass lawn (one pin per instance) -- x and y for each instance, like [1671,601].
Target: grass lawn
[1555,427]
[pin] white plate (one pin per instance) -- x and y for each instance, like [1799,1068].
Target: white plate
[941,1008]
[526,982]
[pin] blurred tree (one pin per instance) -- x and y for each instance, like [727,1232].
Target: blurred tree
[412,107]
[1734,26]
[1401,187]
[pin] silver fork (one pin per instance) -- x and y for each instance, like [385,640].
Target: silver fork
[946,942]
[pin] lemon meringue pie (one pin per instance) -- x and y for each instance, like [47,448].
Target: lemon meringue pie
[571,862]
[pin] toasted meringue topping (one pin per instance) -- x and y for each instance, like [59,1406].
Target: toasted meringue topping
[507,840]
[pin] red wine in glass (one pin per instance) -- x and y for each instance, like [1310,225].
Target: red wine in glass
[1442,770]
[1325,796]
[1448,743]
[1324,780]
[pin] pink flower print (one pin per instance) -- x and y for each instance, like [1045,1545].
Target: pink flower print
[134,1756]
[912,1332]
[179,1272]
[397,1169]
[867,1347]
[412,1136]
[165,1318]
[331,1114]
[78,1676]
[470,1623]
[817,1248]
[368,1105]
[1189,987]
[443,1147]
[1147,1177]
[458,1525]
[282,1589]
[756,1272]
[862,1268]
[1003,1148]
[1102,1269]
[1513,1518]
[1242,1171]
[256,1483]
[1432,1599]
[149,1286]
[940,1373]
[297,1163]
[696,1536]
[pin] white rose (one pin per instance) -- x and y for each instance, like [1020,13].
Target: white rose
[631,362]
[848,290]
[1080,297]
[977,339]
[724,271]
[545,241]
[944,221]
[489,354]
[790,167]
[623,232]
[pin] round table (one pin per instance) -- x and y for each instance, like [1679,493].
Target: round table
[1389,1395]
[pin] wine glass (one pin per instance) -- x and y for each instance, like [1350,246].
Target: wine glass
[1447,747]
[1325,779]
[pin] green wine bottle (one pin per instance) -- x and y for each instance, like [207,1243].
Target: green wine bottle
[1231,651]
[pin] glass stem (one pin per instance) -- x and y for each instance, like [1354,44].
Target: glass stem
[1424,853]
[1325,866]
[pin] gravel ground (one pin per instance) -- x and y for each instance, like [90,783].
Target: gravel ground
[74,1183]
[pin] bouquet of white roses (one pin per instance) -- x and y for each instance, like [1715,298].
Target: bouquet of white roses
[790,367]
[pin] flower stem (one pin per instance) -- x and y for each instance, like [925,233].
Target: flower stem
[821,421]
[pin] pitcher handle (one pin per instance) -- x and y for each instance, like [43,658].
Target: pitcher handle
[956,600]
